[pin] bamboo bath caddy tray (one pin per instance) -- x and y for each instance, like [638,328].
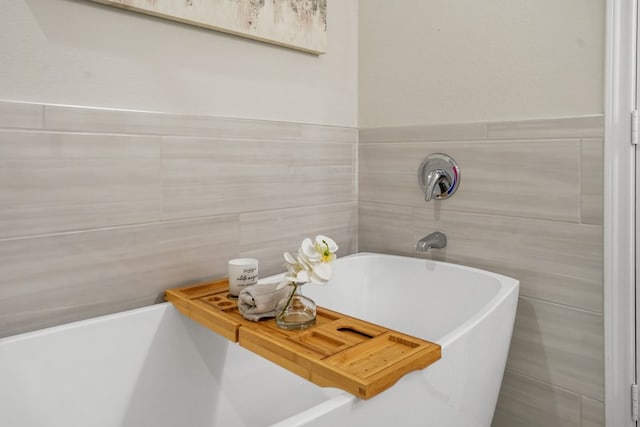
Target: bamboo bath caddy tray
[340,351]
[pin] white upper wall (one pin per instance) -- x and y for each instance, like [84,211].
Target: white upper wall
[81,53]
[443,61]
[421,62]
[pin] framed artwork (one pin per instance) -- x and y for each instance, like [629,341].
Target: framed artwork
[298,24]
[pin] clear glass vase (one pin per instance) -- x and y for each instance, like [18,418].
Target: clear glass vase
[295,311]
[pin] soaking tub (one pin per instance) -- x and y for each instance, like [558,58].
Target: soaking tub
[154,367]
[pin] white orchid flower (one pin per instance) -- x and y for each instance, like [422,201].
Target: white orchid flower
[312,264]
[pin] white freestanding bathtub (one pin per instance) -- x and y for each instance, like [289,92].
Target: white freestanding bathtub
[154,367]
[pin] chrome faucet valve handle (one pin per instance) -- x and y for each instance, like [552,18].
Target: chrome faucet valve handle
[437,183]
[438,176]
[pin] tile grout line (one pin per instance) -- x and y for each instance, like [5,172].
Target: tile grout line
[539,381]
[562,306]
[483,214]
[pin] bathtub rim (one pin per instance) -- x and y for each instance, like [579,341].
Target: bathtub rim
[82,322]
[508,286]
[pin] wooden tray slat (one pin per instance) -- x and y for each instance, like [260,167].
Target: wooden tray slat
[339,351]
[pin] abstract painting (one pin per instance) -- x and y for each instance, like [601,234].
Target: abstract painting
[299,24]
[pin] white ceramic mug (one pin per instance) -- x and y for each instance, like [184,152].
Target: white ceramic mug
[242,273]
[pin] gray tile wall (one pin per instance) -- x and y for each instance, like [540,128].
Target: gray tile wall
[101,210]
[529,206]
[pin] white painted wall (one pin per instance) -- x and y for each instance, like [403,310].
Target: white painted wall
[443,61]
[77,52]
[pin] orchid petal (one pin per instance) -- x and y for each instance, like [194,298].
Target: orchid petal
[308,251]
[303,276]
[323,271]
[304,263]
[330,243]
[289,258]
[318,280]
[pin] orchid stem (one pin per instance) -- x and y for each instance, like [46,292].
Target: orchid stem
[293,292]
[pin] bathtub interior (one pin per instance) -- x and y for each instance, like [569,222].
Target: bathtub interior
[424,298]
[146,367]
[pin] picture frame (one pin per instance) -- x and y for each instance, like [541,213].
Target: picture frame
[297,24]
